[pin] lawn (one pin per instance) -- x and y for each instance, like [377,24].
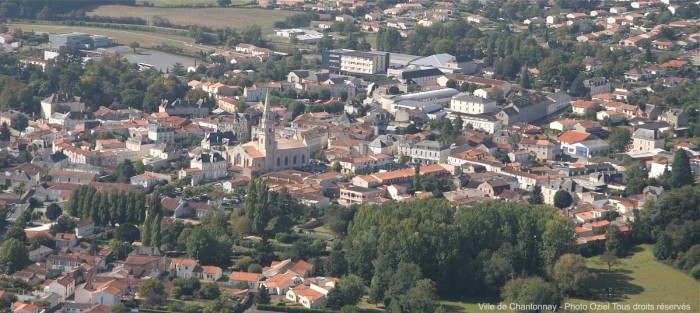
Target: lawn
[636,279]
[212,17]
[640,279]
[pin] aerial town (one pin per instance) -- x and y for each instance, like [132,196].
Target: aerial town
[350,156]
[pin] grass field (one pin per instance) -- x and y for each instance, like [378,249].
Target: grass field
[212,17]
[637,279]
[640,279]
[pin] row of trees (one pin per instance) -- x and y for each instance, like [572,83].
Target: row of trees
[107,207]
[270,212]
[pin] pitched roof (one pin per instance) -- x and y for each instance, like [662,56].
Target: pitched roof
[573,136]
[243,276]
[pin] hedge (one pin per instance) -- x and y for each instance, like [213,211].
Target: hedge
[290,309]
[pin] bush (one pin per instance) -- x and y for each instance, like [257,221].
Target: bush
[289,309]
[285,237]
[695,272]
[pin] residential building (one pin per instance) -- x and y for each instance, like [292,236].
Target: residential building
[344,61]
[645,138]
[471,104]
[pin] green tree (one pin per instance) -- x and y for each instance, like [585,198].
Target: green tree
[619,139]
[152,293]
[352,289]
[681,174]
[636,178]
[127,232]
[146,232]
[5,132]
[336,265]
[13,256]
[134,45]
[155,232]
[532,290]
[223,3]
[614,241]
[15,232]
[525,79]
[571,274]
[337,167]
[420,298]
[562,199]
[416,177]
[402,159]
[558,238]
[609,258]
[536,195]
[262,296]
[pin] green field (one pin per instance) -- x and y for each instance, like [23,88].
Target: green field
[641,279]
[212,17]
[637,279]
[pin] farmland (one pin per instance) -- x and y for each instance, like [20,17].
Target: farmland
[211,17]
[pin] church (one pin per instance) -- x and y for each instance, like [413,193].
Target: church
[269,153]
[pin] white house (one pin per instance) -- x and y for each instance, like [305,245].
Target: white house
[63,286]
[84,227]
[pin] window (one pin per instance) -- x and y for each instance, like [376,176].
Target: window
[294,160]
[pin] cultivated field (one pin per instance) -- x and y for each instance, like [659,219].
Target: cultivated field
[212,17]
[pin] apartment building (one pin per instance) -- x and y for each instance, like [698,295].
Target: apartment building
[354,62]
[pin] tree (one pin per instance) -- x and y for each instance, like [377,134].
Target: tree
[416,177]
[262,296]
[53,211]
[420,298]
[223,3]
[558,238]
[352,288]
[13,256]
[155,232]
[609,258]
[64,224]
[619,139]
[146,232]
[127,232]
[458,125]
[636,178]
[209,291]
[402,159]
[16,232]
[337,167]
[152,292]
[525,79]
[134,45]
[571,274]
[681,174]
[614,240]
[531,290]
[536,195]
[562,199]
[336,265]
[5,132]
